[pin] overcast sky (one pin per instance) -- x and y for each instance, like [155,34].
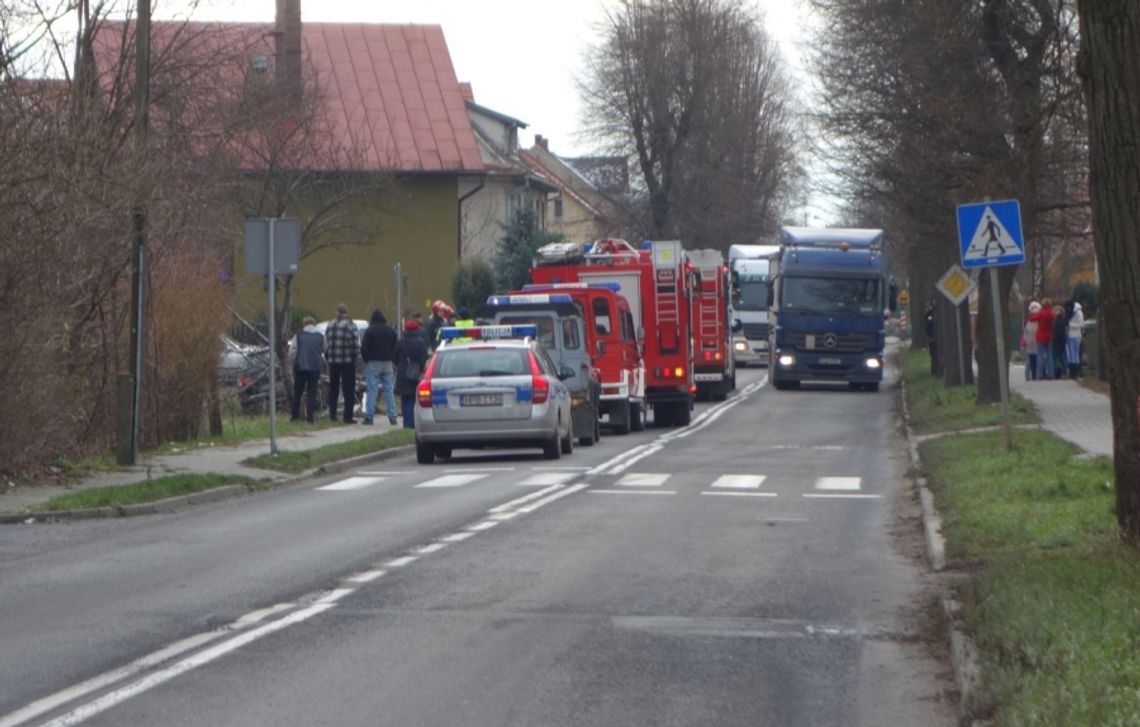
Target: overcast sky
[520,56]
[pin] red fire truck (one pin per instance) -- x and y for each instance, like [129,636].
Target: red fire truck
[657,283]
[713,363]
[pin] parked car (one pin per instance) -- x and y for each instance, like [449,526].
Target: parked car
[492,391]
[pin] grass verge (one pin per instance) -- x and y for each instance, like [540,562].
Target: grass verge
[1054,601]
[299,461]
[934,408]
[159,488]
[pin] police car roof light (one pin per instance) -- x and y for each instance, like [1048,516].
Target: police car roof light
[526,330]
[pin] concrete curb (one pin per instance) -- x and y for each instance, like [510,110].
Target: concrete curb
[963,653]
[216,494]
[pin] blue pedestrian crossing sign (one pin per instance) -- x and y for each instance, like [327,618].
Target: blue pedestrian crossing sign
[990,234]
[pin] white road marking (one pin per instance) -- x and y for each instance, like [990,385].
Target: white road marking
[525,499]
[551,498]
[483,525]
[503,516]
[739,482]
[205,656]
[261,614]
[400,562]
[335,596]
[366,577]
[433,548]
[633,492]
[623,466]
[555,468]
[452,480]
[352,483]
[542,479]
[642,479]
[741,494]
[456,537]
[464,470]
[598,469]
[838,483]
[838,496]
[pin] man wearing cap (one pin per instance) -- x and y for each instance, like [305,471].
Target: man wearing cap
[343,347]
[438,320]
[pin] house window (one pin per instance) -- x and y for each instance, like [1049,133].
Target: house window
[557,208]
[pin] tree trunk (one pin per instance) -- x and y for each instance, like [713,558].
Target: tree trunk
[1110,69]
[956,368]
[989,383]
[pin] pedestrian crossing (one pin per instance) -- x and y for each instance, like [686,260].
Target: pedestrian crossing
[740,485]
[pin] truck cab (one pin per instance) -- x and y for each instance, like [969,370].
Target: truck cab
[830,291]
[565,333]
[749,267]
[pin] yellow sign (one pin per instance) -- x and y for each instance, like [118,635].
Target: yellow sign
[955,284]
[904,297]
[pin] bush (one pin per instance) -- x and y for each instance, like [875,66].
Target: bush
[520,240]
[474,280]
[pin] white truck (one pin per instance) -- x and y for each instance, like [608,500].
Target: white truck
[748,268]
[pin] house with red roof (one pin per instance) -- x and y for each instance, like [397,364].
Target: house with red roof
[389,149]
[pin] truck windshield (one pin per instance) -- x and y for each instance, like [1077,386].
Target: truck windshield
[753,289]
[831,295]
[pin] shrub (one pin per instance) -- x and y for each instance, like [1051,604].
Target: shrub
[474,280]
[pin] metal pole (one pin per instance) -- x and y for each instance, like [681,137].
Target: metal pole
[961,352]
[1002,372]
[399,296]
[272,343]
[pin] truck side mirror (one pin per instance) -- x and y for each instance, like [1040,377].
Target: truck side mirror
[565,372]
[737,326]
[600,347]
[771,293]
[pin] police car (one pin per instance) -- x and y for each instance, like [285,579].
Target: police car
[492,386]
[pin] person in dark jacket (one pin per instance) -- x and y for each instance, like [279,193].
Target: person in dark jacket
[343,348]
[378,349]
[1060,336]
[411,358]
[307,364]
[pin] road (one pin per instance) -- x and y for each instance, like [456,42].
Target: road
[760,567]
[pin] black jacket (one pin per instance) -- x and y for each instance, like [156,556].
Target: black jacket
[411,348]
[379,343]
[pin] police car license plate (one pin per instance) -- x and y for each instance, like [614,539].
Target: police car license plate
[830,360]
[481,400]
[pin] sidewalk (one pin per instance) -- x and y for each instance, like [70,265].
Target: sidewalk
[219,460]
[1068,410]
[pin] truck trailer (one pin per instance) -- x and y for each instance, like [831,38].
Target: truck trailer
[714,368]
[830,297]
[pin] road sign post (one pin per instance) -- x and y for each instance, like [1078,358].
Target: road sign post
[272,246]
[989,235]
[956,285]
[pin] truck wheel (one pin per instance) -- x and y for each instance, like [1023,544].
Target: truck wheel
[637,417]
[683,414]
[619,417]
[425,453]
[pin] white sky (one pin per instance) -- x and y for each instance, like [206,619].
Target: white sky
[520,56]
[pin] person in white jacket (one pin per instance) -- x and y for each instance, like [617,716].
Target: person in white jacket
[1075,329]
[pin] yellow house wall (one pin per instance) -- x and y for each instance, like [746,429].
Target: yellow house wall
[414,222]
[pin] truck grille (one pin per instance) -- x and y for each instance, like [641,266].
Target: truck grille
[755,331]
[845,342]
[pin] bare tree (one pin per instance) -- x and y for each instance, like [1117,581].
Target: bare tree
[1110,54]
[693,91]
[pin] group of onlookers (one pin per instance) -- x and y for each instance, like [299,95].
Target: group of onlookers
[393,363]
[1051,340]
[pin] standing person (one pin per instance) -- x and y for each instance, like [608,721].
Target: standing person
[1060,334]
[930,327]
[378,349]
[343,348]
[411,358]
[1030,335]
[1076,329]
[463,319]
[307,364]
[437,321]
[1044,337]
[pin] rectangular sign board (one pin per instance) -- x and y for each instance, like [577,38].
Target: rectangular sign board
[286,245]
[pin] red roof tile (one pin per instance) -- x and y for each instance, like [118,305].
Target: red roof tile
[392,85]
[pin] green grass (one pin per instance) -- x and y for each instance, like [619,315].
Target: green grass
[299,461]
[1054,602]
[934,408]
[159,488]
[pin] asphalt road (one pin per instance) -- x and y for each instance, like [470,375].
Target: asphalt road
[760,567]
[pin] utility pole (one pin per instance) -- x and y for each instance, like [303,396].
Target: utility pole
[129,454]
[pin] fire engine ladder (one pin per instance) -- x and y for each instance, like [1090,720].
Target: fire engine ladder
[710,322]
[667,308]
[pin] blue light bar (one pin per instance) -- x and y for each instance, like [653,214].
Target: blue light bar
[529,299]
[615,287]
[484,333]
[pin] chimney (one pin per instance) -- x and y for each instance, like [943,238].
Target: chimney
[467,92]
[288,45]
[542,142]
